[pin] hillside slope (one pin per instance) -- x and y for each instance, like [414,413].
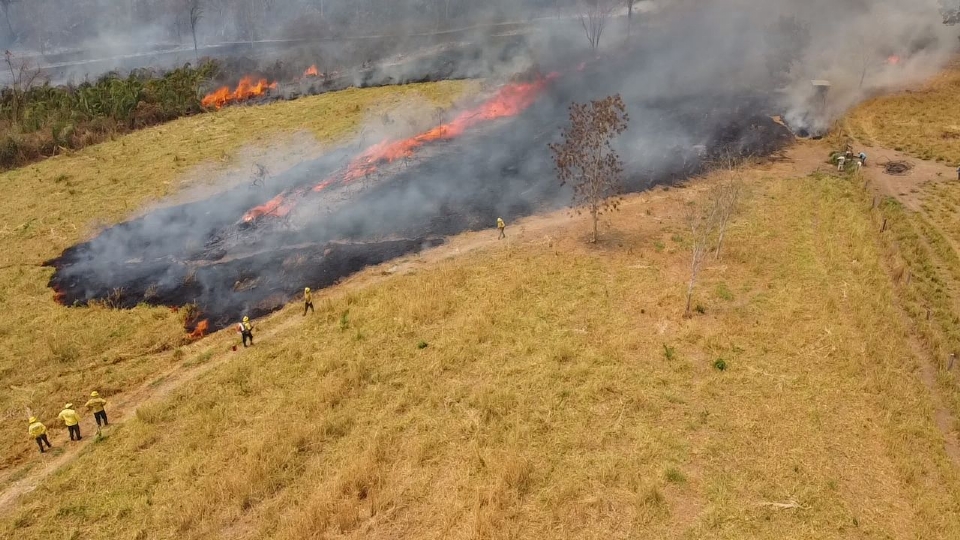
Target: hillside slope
[541,388]
[50,355]
[924,122]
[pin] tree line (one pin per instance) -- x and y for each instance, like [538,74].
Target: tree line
[38,120]
[48,25]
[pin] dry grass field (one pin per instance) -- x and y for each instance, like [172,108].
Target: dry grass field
[539,387]
[543,388]
[50,354]
[923,122]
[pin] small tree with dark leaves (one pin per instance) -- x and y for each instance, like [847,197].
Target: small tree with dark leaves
[585,157]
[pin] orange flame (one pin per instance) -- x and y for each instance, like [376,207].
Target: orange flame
[245,90]
[312,71]
[510,100]
[893,60]
[200,330]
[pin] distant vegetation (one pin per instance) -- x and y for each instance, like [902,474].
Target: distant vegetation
[40,120]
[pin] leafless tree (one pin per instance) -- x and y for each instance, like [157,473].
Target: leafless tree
[702,223]
[23,76]
[593,19]
[5,7]
[586,158]
[630,4]
[726,197]
[196,13]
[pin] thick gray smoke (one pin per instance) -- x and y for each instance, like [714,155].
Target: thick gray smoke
[701,83]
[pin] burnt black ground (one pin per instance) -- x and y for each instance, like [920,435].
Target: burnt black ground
[202,252]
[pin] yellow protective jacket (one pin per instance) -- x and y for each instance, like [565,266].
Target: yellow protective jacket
[70,417]
[96,404]
[308,297]
[246,326]
[500,223]
[37,429]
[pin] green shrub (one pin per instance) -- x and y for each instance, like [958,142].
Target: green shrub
[75,116]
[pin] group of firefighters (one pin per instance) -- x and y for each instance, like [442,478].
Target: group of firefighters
[844,157]
[71,419]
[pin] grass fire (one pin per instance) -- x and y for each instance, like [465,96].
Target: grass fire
[393,198]
[545,270]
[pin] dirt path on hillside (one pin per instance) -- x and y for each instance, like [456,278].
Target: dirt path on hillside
[801,159]
[907,187]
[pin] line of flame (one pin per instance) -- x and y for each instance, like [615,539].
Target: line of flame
[246,89]
[509,100]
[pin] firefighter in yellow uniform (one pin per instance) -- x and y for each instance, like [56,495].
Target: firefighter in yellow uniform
[39,433]
[501,226]
[96,404]
[72,420]
[307,301]
[246,331]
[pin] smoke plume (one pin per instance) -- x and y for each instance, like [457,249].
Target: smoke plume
[701,82]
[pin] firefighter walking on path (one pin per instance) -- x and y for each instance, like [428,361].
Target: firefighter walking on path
[39,433]
[307,301]
[501,226]
[96,404]
[246,331]
[72,420]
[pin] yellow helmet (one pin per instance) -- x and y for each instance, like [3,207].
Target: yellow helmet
[68,406]
[94,394]
[306,289]
[33,419]
[246,319]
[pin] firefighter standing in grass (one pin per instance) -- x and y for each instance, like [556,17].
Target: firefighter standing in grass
[96,404]
[39,433]
[246,331]
[307,301]
[72,420]
[501,226]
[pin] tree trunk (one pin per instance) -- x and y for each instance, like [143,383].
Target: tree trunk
[595,214]
[6,17]
[196,50]
[686,312]
[723,230]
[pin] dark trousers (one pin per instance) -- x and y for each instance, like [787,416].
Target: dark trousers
[41,440]
[502,235]
[101,416]
[74,431]
[246,336]
[306,306]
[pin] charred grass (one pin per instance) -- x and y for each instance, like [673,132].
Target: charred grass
[923,122]
[545,405]
[50,354]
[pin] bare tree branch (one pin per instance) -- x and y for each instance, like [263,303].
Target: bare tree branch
[593,19]
[196,13]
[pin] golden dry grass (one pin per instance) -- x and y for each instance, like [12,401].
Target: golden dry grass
[924,122]
[923,248]
[50,354]
[539,388]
